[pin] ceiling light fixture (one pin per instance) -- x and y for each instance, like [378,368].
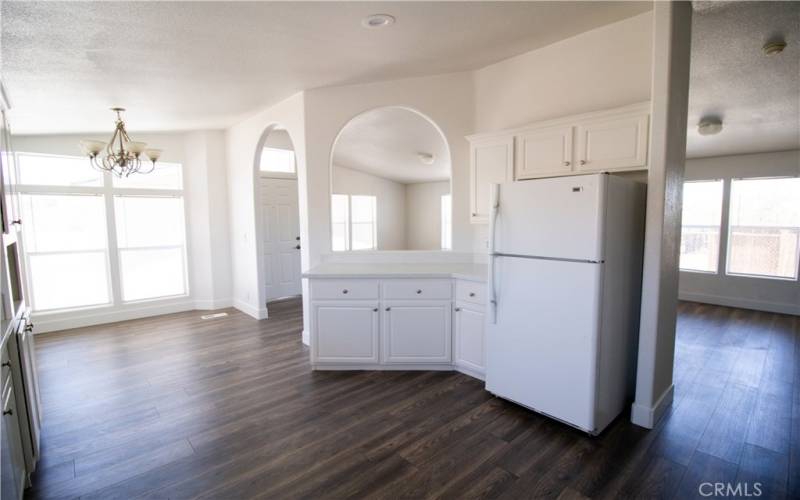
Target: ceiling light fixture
[123,161]
[774,47]
[709,126]
[377,21]
[426,158]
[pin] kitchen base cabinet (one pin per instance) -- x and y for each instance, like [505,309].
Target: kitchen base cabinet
[416,331]
[399,323]
[468,337]
[345,332]
[14,474]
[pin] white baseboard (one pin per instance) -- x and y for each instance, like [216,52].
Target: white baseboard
[98,316]
[648,417]
[253,312]
[758,305]
[210,305]
[306,338]
[466,370]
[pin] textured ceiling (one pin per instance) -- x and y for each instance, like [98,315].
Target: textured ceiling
[757,97]
[386,142]
[189,65]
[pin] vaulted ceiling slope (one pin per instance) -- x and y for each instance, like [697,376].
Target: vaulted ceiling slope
[190,65]
[756,96]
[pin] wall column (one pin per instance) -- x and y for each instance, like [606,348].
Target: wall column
[672,23]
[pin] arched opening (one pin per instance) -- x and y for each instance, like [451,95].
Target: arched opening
[391,183]
[277,217]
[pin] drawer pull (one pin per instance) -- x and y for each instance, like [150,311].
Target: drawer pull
[7,363]
[345,291]
[388,308]
[29,327]
[471,294]
[9,412]
[419,292]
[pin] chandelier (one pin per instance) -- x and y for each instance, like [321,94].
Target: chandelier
[122,155]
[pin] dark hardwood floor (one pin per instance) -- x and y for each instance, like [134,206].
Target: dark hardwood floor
[180,407]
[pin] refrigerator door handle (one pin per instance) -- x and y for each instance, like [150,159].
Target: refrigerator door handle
[494,203]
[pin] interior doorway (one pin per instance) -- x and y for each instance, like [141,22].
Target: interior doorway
[279,216]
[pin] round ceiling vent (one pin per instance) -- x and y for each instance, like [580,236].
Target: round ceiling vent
[378,21]
[709,126]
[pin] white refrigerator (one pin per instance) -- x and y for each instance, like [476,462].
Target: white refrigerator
[565,269]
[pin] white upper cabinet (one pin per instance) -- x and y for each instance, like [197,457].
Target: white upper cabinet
[543,152]
[612,143]
[492,161]
[611,140]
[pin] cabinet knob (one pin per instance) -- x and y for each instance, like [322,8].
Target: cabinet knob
[8,412]
[474,214]
[7,363]
[458,309]
[17,221]
[375,310]
[388,308]
[471,294]
[583,162]
[419,292]
[297,247]
[566,164]
[297,238]
[345,291]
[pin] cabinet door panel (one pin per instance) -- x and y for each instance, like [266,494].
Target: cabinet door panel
[345,332]
[613,143]
[543,152]
[492,162]
[416,332]
[469,337]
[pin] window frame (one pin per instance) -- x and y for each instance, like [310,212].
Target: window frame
[108,192]
[729,226]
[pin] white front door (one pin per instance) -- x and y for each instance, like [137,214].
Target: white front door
[280,217]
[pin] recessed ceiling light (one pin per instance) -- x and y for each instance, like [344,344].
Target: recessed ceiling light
[377,21]
[774,47]
[709,126]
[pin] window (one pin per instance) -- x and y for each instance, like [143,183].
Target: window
[354,222]
[764,227]
[447,222]
[340,222]
[70,212]
[277,160]
[151,246]
[66,250]
[702,214]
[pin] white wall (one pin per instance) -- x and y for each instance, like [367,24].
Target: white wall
[741,291]
[205,198]
[244,143]
[423,214]
[602,68]
[391,199]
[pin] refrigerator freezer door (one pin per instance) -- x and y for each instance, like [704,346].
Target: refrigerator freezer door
[541,352]
[558,218]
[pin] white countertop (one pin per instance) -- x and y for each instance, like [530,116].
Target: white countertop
[464,271]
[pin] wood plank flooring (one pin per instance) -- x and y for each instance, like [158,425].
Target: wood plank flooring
[180,407]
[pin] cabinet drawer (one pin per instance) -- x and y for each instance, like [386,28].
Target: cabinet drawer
[417,289]
[470,291]
[324,289]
